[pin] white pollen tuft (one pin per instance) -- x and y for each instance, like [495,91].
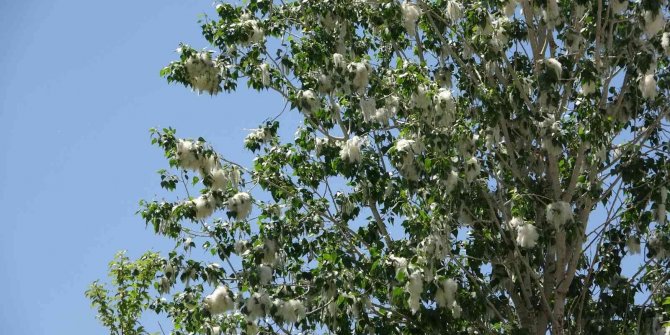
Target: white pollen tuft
[291,311]
[444,106]
[451,182]
[619,6]
[559,213]
[258,305]
[410,15]
[552,15]
[510,7]
[415,288]
[454,10]
[351,150]
[445,296]
[526,235]
[472,168]
[555,66]
[308,102]
[369,108]
[219,301]
[204,206]
[515,222]
[338,61]
[265,74]
[202,73]
[264,274]
[361,75]
[653,23]
[665,43]
[648,86]
[240,204]
[633,245]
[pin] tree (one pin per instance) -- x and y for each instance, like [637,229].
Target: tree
[474,167]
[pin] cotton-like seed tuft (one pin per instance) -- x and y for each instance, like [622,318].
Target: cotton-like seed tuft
[291,311]
[552,15]
[665,43]
[204,206]
[619,6]
[308,102]
[258,305]
[203,73]
[415,288]
[265,74]
[510,7]
[444,106]
[559,213]
[410,15]
[451,182]
[361,75]
[648,86]
[338,61]
[454,10]
[526,235]
[516,222]
[240,204]
[653,23]
[555,66]
[472,168]
[351,150]
[633,245]
[219,301]
[264,274]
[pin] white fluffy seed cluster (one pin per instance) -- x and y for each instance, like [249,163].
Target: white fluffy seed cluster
[653,23]
[240,204]
[360,71]
[264,274]
[661,215]
[647,86]
[526,235]
[262,135]
[619,6]
[203,73]
[444,108]
[445,296]
[380,115]
[204,206]
[190,156]
[291,311]
[408,149]
[451,181]
[665,43]
[414,287]
[265,74]
[258,305]
[633,245]
[472,169]
[551,14]
[410,15]
[454,10]
[559,213]
[555,66]
[351,150]
[255,33]
[220,301]
[308,102]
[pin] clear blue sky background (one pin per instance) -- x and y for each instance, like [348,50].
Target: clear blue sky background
[79,89]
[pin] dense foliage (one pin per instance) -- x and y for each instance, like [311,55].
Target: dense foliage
[464,167]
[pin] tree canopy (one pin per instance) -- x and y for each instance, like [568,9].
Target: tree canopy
[464,167]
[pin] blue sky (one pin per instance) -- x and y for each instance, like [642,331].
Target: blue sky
[79,89]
